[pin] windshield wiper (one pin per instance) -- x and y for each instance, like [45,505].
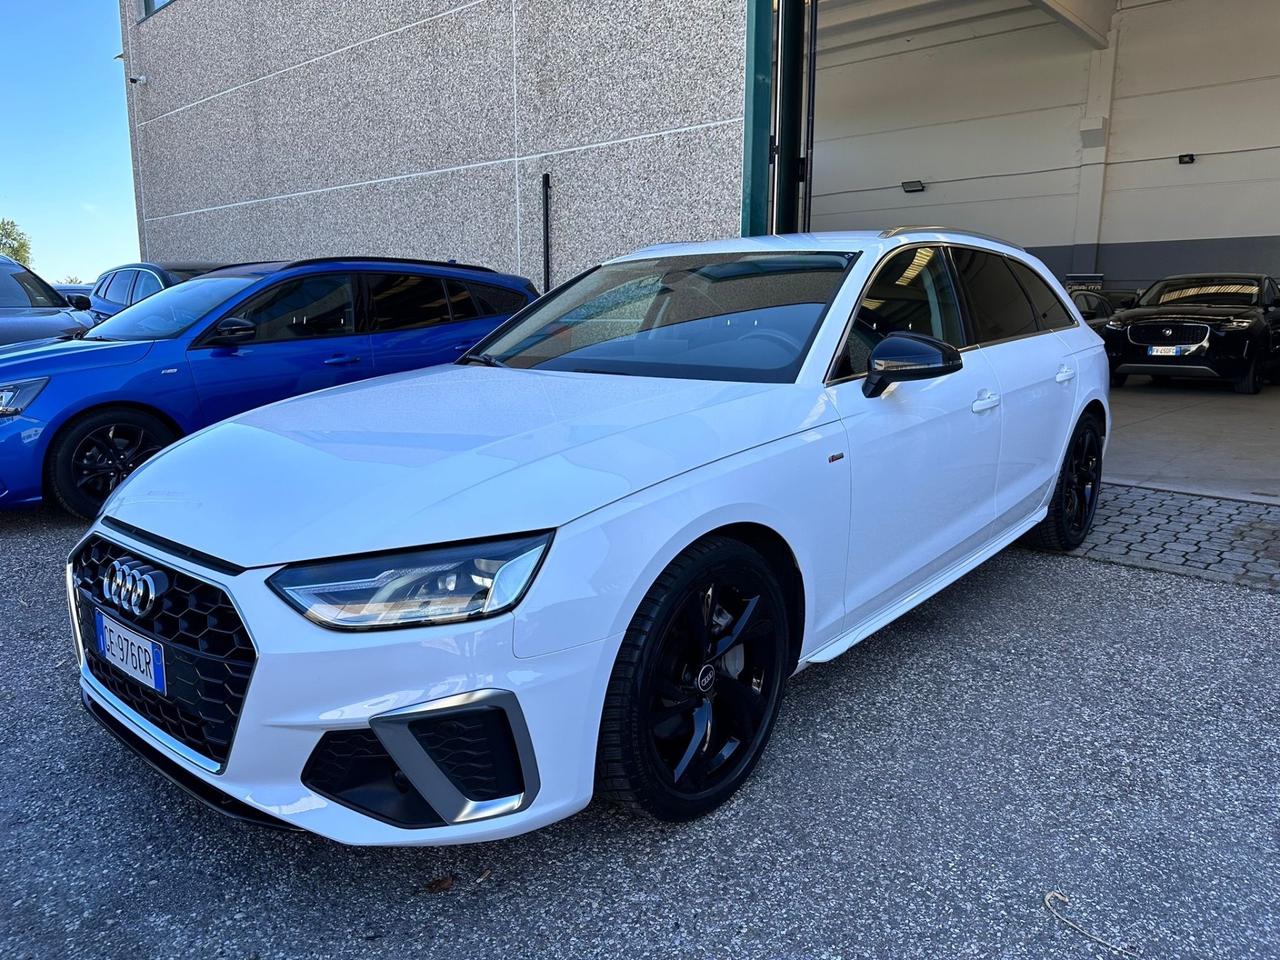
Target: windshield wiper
[488,359]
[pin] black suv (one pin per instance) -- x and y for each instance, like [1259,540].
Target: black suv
[1222,326]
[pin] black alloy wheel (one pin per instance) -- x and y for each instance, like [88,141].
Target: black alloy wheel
[93,456]
[697,684]
[1250,381]
[1075,496]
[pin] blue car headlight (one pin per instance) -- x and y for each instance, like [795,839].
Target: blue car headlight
[17,396]
[409,588]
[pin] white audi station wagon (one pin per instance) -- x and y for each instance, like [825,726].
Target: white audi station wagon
[451,605]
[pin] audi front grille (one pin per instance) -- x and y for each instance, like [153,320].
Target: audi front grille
[208,656]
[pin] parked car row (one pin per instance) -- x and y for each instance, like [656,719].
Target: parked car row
[449,605]
[81,412]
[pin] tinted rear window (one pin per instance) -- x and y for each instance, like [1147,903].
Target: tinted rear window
[997,304]
[1050,313]
[401,301]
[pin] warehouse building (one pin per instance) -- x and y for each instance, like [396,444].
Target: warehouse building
[1125,139]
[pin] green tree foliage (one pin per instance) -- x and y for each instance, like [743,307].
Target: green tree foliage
[13,242]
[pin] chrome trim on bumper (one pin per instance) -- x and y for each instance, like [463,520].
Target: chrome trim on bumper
[140,727]
[1167,370]
[392,728]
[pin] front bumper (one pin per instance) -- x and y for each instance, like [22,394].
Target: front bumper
[321,701]
[1216,354]
[22,449]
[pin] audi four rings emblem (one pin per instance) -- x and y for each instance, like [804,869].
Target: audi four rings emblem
[133,586]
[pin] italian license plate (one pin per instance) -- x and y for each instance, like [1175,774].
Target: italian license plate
[130,652]
[1163,351]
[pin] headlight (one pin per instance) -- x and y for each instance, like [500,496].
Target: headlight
[1114,324]
[17,396]
[1241,324]
[415,587]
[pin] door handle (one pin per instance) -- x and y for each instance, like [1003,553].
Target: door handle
[1065,373]
[986,401]
[341,360]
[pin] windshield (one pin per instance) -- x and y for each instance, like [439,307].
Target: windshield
[168,313]
[740,316]
[19,287]
[1209,291]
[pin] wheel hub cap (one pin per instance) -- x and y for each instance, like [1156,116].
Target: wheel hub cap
[706,678]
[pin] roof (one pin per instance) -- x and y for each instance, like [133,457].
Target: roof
[844,241]
[264,267]
[252,269]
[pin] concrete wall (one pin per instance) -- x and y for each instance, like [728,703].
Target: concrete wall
[1020,126]
[284,128]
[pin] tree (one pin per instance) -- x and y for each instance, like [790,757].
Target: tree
[13,242]
[71,278]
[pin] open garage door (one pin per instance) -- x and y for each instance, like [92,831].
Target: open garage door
[1126,139]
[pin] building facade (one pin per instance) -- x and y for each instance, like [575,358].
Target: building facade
[424,128]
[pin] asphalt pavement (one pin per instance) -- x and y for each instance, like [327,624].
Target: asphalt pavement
[1046,724]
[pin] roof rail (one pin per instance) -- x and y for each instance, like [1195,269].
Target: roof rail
[422,263]
[898,231]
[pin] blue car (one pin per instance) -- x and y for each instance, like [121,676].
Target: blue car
[125,285]
[79,414]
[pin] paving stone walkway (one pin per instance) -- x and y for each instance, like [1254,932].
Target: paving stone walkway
[1229,540]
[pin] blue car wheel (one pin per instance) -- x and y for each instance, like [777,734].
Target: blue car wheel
[92,455]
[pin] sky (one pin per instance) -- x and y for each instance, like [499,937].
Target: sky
[65,172]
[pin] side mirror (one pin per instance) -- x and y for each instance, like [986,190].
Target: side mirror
[232,330]
[908,356]
[79,301]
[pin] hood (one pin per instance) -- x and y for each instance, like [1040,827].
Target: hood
[1186,311]
[451,453]
[43,358]
[35,323]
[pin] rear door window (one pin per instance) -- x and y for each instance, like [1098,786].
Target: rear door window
[402,301]
[461,302]
[998,308]
[1050,313]
[146,284]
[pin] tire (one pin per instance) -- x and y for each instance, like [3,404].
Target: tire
[1076,492]
[1250,382]
[91,455]
[679,698]
[1118,379]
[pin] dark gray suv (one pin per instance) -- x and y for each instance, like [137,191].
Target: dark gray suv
[30,309]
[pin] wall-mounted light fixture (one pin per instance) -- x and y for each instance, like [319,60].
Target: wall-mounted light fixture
[912,186]
[1185,158]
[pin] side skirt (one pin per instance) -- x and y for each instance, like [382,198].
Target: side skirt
[922,593]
